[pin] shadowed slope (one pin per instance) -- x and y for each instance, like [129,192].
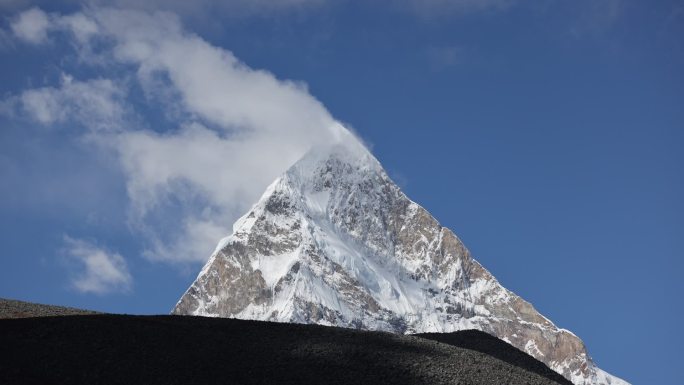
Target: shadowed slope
[118,349]
[488,344]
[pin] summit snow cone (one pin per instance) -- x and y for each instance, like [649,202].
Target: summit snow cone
[334,241]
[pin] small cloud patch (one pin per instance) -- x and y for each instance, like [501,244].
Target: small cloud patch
[101,271]
[31,26]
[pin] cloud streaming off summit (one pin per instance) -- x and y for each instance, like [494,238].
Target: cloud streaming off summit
[218,192]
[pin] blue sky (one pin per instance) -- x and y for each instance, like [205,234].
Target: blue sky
[547,134]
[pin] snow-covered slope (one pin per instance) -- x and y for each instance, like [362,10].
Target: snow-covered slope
[334,241]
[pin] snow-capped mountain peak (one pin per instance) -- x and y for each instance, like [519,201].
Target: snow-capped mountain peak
[334,241]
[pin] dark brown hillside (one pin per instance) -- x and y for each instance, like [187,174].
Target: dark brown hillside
[123,349]
[10,308]
[490,345]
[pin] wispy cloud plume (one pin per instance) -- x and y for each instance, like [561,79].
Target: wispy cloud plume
[96,103]
[100,271]
[229,130]
[233,128]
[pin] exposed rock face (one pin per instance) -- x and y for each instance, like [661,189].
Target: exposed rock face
[335,242]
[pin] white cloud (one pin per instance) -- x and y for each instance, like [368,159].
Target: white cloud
[95,103]
[81,26]
[198,238]
[102,271]
[31,26]
[218,177]
[236,128]
[259,126]
[211,82]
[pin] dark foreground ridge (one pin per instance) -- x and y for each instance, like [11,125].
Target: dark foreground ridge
[124,349]
[490,345]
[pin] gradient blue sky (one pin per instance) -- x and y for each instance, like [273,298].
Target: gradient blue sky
[547,134]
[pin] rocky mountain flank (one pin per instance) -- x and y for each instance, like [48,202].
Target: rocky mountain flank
[334,241]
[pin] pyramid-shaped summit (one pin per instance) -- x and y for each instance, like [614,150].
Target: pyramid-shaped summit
[334,241]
